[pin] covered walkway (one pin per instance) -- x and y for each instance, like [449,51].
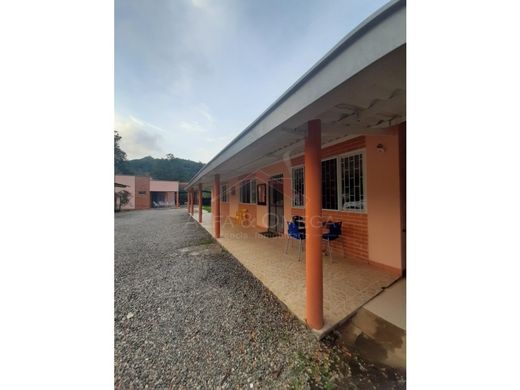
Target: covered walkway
[347,285]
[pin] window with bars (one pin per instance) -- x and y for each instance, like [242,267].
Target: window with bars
[245,187]
[248,191]
[224,193]
[329,184]
[298,187]
[347,195]
[252,191]
[353,195]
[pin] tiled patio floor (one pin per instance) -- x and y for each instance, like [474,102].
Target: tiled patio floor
[347,285]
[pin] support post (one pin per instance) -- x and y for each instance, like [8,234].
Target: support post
[177,199]
[200,202]
[192,201]
[313,226]
[216,206]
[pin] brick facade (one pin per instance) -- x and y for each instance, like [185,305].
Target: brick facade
[142,192]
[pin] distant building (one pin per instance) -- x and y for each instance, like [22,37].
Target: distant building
[146,193]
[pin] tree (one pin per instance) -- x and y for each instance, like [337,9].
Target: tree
[119,154]
[124,198]
[170,156]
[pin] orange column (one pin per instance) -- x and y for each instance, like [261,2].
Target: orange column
[200,202]
[313,227]
[190,199]
[177,198]
[216,206]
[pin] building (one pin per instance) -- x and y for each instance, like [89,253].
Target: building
[146,192]
[331,149]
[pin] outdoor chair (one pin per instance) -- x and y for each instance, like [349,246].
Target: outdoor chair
[299,221]
[297,234]
[333,234]
[155,204]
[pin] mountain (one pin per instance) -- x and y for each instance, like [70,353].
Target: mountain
[169,168]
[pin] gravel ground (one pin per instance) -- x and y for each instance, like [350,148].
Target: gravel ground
[189,316]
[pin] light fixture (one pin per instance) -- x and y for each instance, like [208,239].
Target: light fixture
[380,148]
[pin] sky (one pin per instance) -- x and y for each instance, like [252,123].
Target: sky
[190,75]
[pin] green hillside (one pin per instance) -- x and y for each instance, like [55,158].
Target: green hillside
[169,168]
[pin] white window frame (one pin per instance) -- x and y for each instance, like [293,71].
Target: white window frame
[253,185]
[340,186]
[251,189]
[292,186]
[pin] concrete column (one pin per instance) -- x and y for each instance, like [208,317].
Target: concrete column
[177,198]
[313,227]
[200,202]
[190,200]
[216,206]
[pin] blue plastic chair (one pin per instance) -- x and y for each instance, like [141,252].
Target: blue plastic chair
[297,234]
[333,234]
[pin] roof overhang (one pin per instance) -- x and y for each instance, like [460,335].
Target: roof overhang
[359,87]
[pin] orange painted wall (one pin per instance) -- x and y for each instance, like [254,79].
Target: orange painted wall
[373,236]
[224,209]
[233,198]
[384,200]
[164,185]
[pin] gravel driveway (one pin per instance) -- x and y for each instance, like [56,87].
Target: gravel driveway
[188,316]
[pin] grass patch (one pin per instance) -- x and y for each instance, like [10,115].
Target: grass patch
[207,208]
[206,241]
[316,371]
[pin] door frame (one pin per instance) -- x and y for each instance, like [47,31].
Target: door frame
[272,178]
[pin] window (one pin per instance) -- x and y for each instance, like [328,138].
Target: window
[353,194]
[298,187]
[329,184]
[248,191]
[245,188]
[342,184]
[253,191]
[224,193]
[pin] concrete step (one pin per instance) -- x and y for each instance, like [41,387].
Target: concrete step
[377,331]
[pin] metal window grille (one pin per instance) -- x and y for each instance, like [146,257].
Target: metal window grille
[248,191]
[353,196]
[253,191]
[298,187]
[329,184]
[244,191]
[223,193]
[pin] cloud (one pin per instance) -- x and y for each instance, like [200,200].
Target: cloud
[139,138]
[192,127]
[200,3]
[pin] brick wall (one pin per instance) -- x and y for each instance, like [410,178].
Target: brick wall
[142,192]
[353,242]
